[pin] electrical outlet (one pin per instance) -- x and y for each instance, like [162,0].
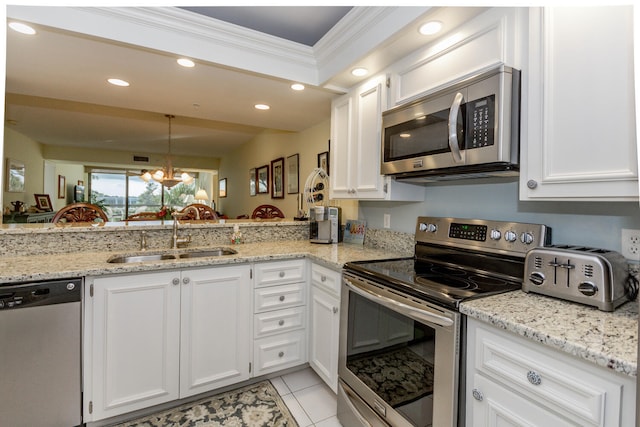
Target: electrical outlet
[387,221]
[631,244]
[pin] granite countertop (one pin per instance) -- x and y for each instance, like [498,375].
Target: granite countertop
[44,267]
[609,340]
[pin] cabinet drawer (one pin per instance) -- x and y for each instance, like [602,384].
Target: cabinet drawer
[547,378]
[279,273]
[279,352]
[278,321]
[277,297]
[326,278]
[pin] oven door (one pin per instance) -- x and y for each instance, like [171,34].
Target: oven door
[398,355]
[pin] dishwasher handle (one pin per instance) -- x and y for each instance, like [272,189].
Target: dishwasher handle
[32,294]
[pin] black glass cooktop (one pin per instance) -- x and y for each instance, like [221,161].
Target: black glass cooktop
[432,281]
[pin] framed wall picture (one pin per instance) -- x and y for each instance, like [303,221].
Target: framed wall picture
[62,187]
[323,161]
[262,177]
[15,176]
[277,180]
[222,187]
[43,202]
[252,181]
[293,182]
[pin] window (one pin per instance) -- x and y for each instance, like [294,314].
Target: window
[122,193]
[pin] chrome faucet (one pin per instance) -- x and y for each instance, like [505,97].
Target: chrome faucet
[176,241]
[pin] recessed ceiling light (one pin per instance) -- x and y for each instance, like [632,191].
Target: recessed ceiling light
[262,107]
[297,86]
[22,28]
[359,72]
[118,82]
[185,62]
[431,27]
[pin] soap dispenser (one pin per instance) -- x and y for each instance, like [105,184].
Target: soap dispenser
[236,237]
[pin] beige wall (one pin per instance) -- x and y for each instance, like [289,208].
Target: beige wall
[19,147]
[260,151]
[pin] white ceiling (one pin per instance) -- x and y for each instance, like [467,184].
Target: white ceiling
[57,93]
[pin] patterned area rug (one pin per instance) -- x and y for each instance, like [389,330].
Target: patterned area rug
[253,405]
[398,376]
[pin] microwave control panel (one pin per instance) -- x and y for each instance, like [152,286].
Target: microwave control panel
[481,122]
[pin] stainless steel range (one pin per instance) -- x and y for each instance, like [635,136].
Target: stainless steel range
[401,334]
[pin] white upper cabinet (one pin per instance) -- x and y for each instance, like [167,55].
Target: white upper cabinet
[356,120]
[484,42]
[578,118]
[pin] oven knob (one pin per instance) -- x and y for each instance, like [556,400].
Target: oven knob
[495,234]
[526,238]
[510,236]
[588,289]
[536,278]
[429,228]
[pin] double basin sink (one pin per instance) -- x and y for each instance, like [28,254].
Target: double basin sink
[170,255]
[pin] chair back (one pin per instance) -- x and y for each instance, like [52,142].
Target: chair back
[204,212]
[267,211]
[80,212]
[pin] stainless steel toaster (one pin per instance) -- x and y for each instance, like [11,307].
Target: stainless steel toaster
[596,277]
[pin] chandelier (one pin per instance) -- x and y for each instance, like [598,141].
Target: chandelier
[167,176]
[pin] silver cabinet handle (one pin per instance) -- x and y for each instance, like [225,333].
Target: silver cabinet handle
[453,127]
[335,310]
[186,280]
[281,298]
[323,278]
[281,322]
[281,354]
[477,395]
[534,378]
[281,274]
[175,281]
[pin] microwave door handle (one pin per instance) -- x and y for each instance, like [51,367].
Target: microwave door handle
[453,127]
[414,313]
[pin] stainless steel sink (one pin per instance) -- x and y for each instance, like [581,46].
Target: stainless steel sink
[208,253]
[140,258]
[202,253]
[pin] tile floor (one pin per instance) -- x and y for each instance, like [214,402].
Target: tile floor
[308,398]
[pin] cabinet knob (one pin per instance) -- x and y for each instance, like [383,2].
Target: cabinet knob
[534,378]
[281,298]
[176,281]
[477,395]
[323,278]
[281,322]
[532,183]
[335,310]
[281,354]
[186,280]
[281,274]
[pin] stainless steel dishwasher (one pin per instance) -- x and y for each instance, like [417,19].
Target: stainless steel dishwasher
[40,353]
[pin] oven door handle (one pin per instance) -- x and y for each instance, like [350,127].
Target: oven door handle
[412,312]
[453,128]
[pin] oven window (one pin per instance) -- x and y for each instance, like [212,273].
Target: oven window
[394,356]
[422,136]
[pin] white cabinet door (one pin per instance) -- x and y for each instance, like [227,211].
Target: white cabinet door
[216,328]
[356,120]
[135,343]
[578,106]
[324,336]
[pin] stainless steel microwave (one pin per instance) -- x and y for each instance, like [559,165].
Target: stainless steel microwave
[470,128]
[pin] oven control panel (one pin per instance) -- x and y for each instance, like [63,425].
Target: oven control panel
[482,235]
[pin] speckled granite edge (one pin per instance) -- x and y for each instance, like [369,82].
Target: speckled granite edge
[609,340]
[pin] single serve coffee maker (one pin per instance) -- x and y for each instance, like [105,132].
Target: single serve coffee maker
[324,223]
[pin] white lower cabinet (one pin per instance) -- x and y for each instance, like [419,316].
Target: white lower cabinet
[155,337]
[512,381]
[280,316]
[324,324]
